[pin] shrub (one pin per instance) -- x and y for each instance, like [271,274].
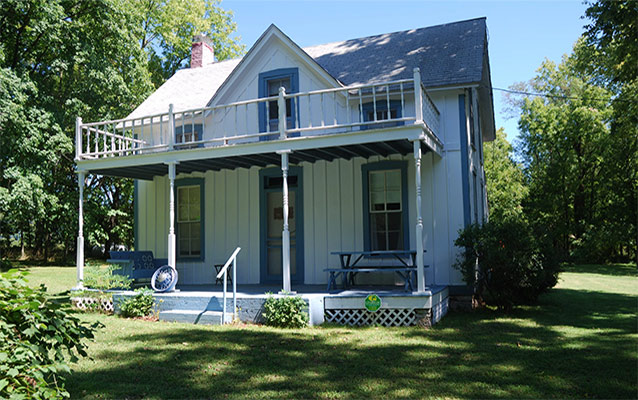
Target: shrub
[141,305]
[37,340]
[103,278]
[505,263]
[285,312]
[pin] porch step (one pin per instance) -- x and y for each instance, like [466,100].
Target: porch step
[202,317]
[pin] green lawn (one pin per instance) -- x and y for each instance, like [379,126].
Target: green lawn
[580,341]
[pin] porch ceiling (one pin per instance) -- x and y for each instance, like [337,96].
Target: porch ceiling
[365,150]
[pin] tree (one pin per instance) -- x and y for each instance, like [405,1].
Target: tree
[610,57]
[168,27]
[572,159]
[57,62]
[504,178]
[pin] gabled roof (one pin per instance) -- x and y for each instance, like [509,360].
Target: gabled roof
[274,32]
[449,54]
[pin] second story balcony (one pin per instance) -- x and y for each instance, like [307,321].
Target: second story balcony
[388,114]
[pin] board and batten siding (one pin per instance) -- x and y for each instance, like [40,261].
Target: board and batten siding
[333,211]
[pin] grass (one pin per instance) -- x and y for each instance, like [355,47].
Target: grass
[580,341]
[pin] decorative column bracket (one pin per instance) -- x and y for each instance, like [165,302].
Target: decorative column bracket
[172,251]
[285,251]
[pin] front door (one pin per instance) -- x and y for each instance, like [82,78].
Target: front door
[272,225]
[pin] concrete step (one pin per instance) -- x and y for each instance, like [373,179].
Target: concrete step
[202,317]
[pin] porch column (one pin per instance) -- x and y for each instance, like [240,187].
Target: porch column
[420,273]
[171,215]
[80,244]
[285,245]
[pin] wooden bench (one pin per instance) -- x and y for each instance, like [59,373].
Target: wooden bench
[137,265]
[348,275]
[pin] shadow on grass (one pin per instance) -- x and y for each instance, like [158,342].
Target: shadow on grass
[603,269]
[574,344]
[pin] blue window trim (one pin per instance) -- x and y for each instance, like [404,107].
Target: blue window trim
[464,161]
[202,209]
[382,105]
[385,165]
[188,128]
[264,77]
[299,239]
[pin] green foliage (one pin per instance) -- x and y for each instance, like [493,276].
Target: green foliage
[285,312]
[37,340]
[167,29]
[581,171]
[506,187]
[141,305]
[57,63]
[505,263]
[102,278]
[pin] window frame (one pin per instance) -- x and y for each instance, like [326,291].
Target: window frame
[187,182]
[264,78]
[382,105]
[179,130]
[365,173]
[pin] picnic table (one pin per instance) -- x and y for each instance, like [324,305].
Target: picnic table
[403,264]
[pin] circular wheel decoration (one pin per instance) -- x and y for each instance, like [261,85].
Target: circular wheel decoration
[164,279]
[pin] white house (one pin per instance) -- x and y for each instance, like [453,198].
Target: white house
[377,142]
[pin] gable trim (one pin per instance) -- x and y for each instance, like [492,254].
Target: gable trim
[273,30]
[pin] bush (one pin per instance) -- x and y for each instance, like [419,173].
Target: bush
[139,306]
[103,278]
[37,340]
[285,312]
[505,263]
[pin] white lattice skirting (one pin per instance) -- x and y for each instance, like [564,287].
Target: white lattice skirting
[383,317]
[92,303]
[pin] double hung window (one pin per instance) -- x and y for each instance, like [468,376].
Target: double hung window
[190,237]
[385,206]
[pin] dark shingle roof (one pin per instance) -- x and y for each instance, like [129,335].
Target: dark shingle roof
[447,54]
[450,54]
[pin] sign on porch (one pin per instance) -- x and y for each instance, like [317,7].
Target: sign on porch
[372,302]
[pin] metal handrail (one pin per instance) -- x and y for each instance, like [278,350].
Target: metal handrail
[224,272]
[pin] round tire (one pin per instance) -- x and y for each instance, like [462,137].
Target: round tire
[164,279]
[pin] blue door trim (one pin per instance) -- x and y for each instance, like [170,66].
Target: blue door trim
[384,165]
[263,261]
[264,77]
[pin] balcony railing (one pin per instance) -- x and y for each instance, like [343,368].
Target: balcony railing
[314,113]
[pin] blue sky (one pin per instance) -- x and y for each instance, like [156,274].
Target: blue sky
[521,33]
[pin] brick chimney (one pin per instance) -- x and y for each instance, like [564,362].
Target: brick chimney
[202,52]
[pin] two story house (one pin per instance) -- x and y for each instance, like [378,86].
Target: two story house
[293,154]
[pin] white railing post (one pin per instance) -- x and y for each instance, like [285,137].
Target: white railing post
[78,138]
[420,273]
[79,263]
[418,96]
[224,272]
[171,215]
[171,127]
[281,105]
[285,250]
[224,297]
[235,288]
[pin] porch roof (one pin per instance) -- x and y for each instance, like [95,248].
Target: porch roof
[214,162]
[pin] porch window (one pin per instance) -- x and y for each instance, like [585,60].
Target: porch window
[385,206]
[382,114]
[269,84]
[190,221]
[188,133]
